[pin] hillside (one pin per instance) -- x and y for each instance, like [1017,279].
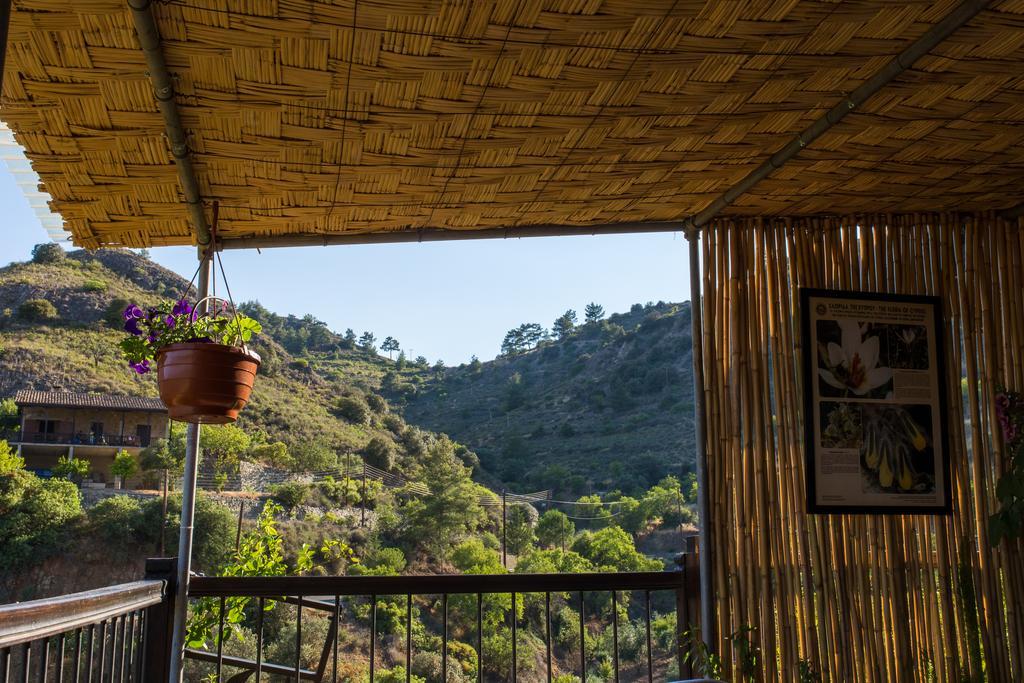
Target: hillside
[609,405]
[606,406]
[296,396]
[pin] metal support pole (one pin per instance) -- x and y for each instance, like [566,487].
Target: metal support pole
[707,611]
[504,536]
[188,509]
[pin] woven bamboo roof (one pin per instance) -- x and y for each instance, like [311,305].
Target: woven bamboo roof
[361,116]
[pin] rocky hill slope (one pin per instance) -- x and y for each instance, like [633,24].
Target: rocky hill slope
[608,405]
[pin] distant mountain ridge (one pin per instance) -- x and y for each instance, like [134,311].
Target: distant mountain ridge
[607,406]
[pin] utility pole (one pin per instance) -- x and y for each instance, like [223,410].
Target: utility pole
[504,536]
[362,517]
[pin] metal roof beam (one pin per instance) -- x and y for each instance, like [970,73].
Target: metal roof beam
[440,235]
[163,91]
[963,13]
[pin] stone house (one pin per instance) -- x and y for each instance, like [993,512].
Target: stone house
[89,426]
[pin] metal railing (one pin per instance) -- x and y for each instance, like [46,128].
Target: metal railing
[359,600]
[122,633]
[96,635]
[73,438]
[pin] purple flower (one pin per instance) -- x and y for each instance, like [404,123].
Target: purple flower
[183,307]
[142,367]
[169,321]
[133,312]
[132,326]
[152,338]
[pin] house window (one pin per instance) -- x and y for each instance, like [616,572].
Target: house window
[143,433]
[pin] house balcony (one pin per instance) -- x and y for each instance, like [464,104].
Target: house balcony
[36,438]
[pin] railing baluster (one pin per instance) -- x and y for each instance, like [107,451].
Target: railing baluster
[91,652]
[337,636]
[514,662]
[78,654]
[373,635]
[408,638]
[26,661]
[259,639]
[59,663]
[547,631]
[124,645]
[583,643]
[220,640]
[444,637]
[479,637]
[135,654]
[103,649]
[615,633]
[114,659]
[44,673]
[650,655]
[5,664]
[298,641]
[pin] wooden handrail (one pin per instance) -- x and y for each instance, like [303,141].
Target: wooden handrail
[23,622]
[435,584]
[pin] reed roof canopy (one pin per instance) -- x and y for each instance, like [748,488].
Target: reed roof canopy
[306,119]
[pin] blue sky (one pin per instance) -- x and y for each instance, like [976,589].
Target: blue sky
[447,300]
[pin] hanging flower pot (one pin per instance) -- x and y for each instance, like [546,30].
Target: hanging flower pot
[204,382]
[205,371]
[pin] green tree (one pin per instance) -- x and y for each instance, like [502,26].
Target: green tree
[118,520]
[8,413]
[380,453]
[520,521]
[553,562]
[37,310]
[367,341]
[71,468]
[612,549]
[273,453]
[390,345]
[214,524]
[10,462]
[593,312]
[475,366]
[124,466]
[451,509]
[313,456]
[350,339]
[35,515]
[47,252]
[564,324]
[225,444]
[401,361]
[555,530]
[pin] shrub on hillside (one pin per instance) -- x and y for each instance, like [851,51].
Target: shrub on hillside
[393,423]
[313,456]
[379,453]
[118,520]
[290,494]
[70,467]
[35,515]
[352,409]
[114,313]
[377,403]
[48,252]
[37,310]
[94,285]
[213,539]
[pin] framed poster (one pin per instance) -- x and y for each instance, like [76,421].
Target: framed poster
[876,437]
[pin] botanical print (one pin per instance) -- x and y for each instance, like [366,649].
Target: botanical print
[907,347]
[841,425]
[897,455]
[849,362]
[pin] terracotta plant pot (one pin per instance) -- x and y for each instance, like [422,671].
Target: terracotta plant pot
[205,383]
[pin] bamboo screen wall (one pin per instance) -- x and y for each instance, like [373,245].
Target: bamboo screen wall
[865,598]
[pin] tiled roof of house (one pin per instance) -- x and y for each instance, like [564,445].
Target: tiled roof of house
[66,399]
